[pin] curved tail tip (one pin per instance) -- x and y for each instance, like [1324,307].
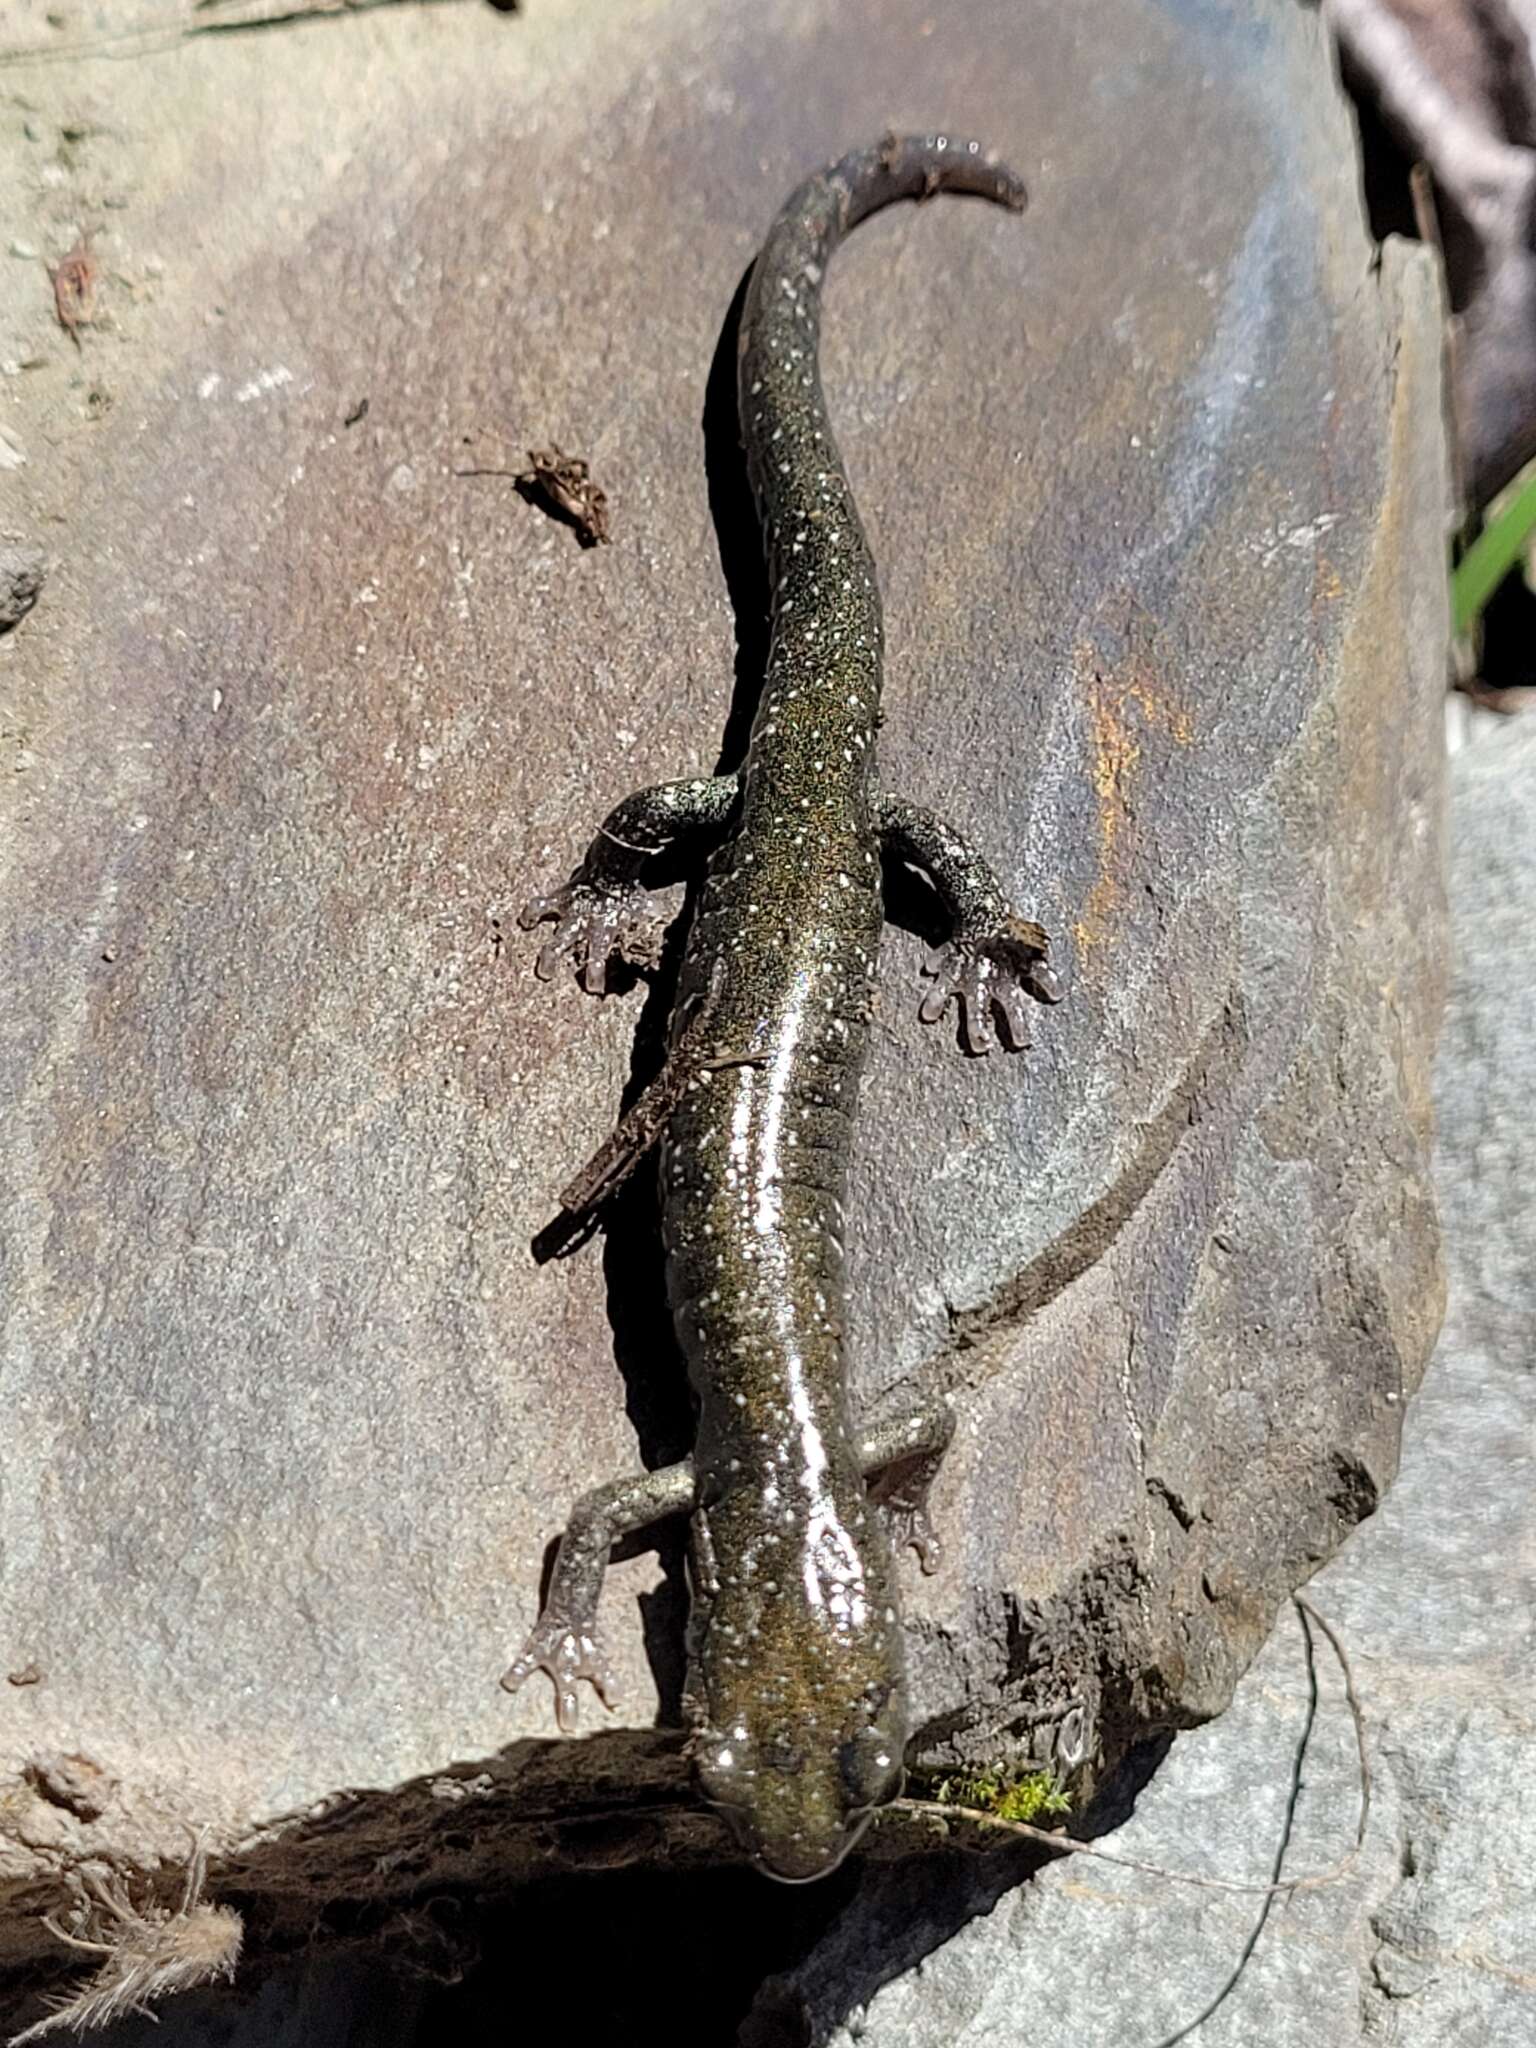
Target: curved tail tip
[953,163]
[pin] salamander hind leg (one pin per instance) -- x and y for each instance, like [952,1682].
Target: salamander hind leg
[603,913]
[900,1460]
[565,1641]
[995,958]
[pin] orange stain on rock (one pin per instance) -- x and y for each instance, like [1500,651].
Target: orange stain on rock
[1128,707]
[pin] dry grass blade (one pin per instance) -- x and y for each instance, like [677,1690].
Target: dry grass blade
[148,1952]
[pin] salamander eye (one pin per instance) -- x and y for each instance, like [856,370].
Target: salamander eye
[870,1768]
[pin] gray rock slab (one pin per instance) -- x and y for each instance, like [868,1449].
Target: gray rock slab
[1427,1940]
[1155,480]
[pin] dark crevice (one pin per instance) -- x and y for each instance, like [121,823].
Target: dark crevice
[1509,635]
[1180,1511]
[1354,1494]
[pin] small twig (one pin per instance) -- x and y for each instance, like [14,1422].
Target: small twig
[651,1111]
[153,37]
[1255,1935]
[1356,1715]
[1426,218]
[1069,1847]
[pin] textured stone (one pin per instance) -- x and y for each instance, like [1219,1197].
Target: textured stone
[1427,1940]
[22,571]
[1154,478]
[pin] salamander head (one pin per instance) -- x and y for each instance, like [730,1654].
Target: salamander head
[796,1800]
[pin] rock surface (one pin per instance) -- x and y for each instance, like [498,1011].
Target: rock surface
[1155,479]
[1428,1939]
[1426,1942]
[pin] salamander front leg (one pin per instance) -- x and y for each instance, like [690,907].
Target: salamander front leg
[996,958]
[565,1640]
[603,912]
[900,1460]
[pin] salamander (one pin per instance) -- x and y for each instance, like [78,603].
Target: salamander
[795,1691]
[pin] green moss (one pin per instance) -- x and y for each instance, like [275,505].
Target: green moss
[1030,1797]
[1007,1795]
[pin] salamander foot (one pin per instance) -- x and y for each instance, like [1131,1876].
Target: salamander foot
[910,1526]
[989,978]
[569,1652]
[565,1640]
[901,1459]
[593,926]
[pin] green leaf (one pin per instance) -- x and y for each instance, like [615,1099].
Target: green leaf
[1492,555]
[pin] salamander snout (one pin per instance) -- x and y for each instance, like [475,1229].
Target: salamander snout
[799,1860]
[797,1806]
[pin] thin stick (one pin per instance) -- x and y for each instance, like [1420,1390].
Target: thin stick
[152,38]
[1069,1847]
[1356,1713]
[651,1111]
[1426,218]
